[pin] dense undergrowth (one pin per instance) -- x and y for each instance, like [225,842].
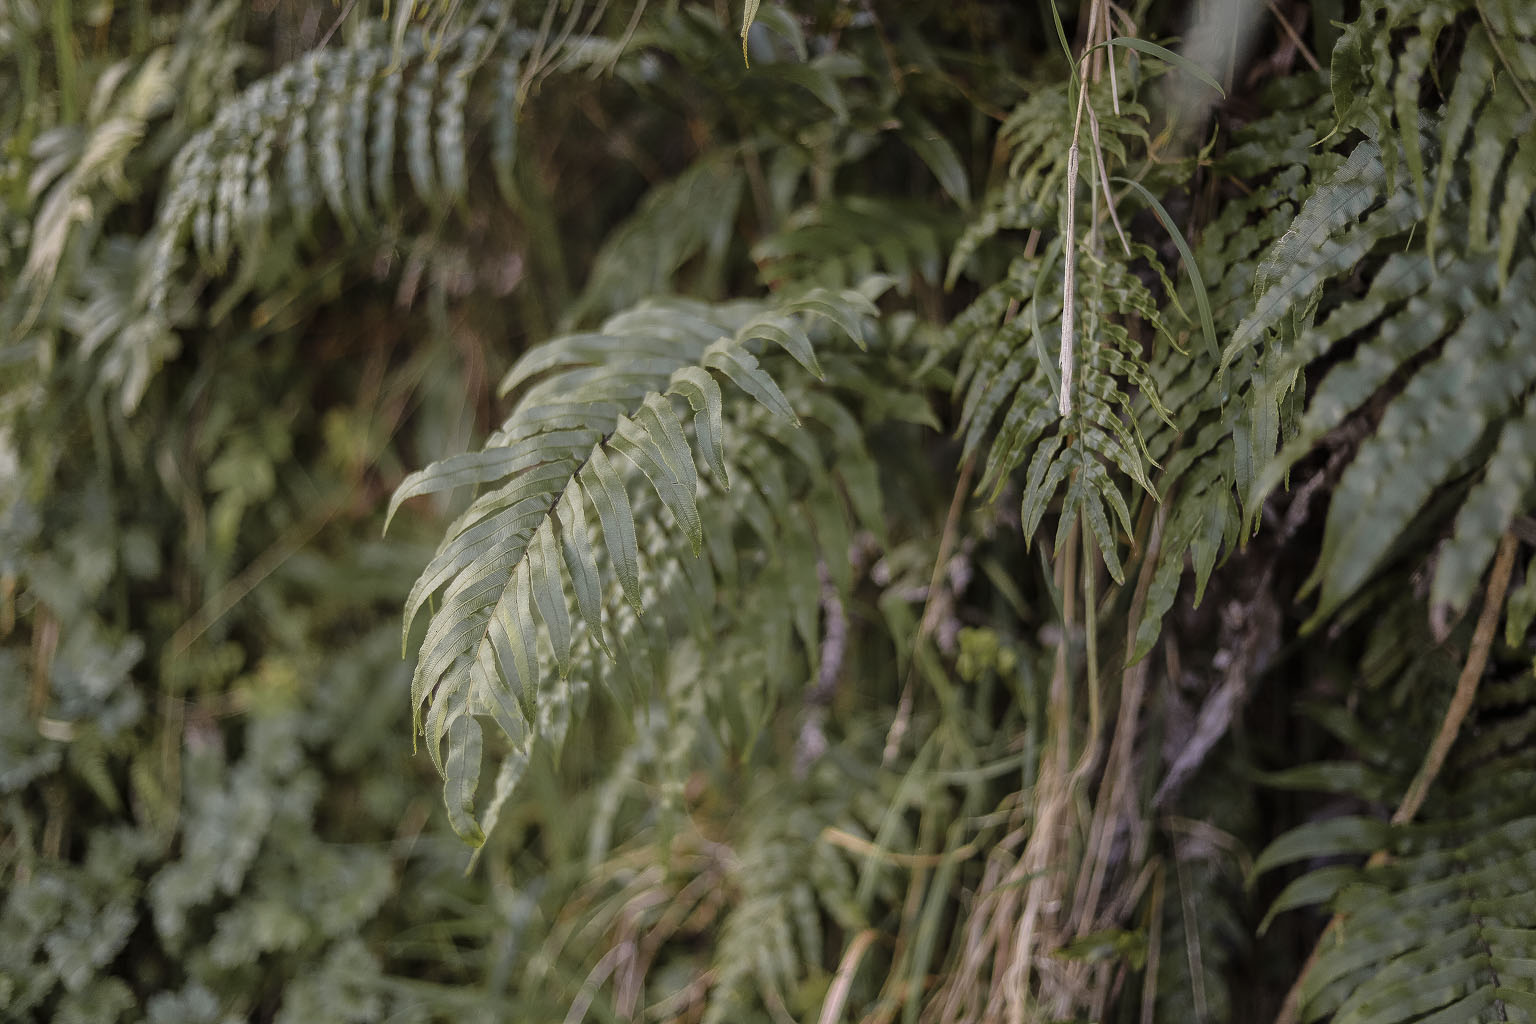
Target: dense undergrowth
[963,514]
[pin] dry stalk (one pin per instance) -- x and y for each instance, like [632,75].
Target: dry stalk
[1049,841]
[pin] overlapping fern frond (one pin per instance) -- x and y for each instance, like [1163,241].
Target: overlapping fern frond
[1012,336]
[1448,304]
[1203,452]
[523,575]
[837,243]
[1458,326]
[1009,370]
[1381,70]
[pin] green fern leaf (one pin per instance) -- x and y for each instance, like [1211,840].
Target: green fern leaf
[1488,511]
[659,450]
[743,370]
[788,335]
[461,771]
[1440,416]
[605,490]
[546,569]
[1289,277]
[703,394]
[576,547]
[502,570]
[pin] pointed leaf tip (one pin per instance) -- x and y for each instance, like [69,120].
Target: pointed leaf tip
[748,15]
[461,770]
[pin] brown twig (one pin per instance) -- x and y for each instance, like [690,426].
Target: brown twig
[947,540]
[842,981]
[1466,684]
[345,12]
[1296,40]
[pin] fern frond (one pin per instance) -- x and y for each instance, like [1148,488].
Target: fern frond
[1445,316]
[1443,414]
[1203,450]
[332,131]
[691,215]
[1416,304]
[1007,370]
[838,243]
[1380,69]
[1461,877]
[1339,226]
[522,571]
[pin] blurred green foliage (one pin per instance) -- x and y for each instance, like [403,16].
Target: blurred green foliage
[881,582]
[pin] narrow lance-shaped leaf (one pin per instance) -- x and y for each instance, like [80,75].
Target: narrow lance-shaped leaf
[936,151]
[1490,507]
[1202,300]
[491,695]
[549,594]
[1519,186]
[1044,476]
[816,79]
[513,766]
[1309,890]
[1332,838]
[842,307]
[513,635]
[1099,479]
[1162,53]
[661,421]
[1177,537]
[664,457]
[456,628]
[637,445]
[606,489]
[703,393]
[741,367]
[748,15]
[788,335]
[451,699]
[461,777]
[576,545]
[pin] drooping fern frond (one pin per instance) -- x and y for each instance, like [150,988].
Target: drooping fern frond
[1456,326]
[1341,223]
[1083,438]
[331,131]
[522,575]
[1435,207]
